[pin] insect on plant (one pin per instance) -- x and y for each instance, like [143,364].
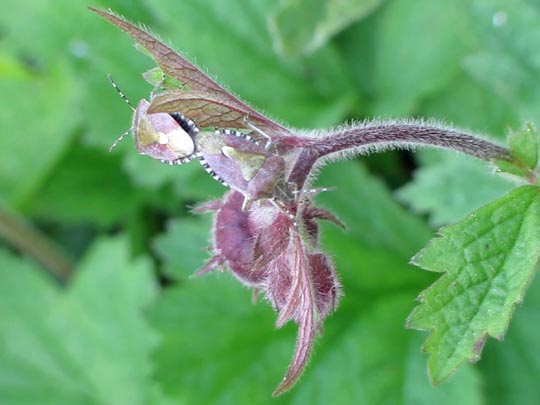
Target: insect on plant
[266,227]
[233,158]
[262,243]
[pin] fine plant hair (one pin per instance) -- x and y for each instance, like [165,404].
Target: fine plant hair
[362,138]
[370,136]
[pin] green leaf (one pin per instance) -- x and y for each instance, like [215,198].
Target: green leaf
[199,186]
[11,68]
[36,133]
[94,174]
[469,104]
[366,205]
[224,350]
[380,236]
[506,63]
[523,145]
[452,187]
[190,182]
[217,347]
[158,79]
[413,59]
[488,259]
[151,174]
[466,387]
[301,26]
[509,80]
[228,39]
[511,370]
[184,245]
[367,357]
[370,268]
[512,168]
[76,61]
[88,344]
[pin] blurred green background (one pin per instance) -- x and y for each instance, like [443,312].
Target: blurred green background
[130,326]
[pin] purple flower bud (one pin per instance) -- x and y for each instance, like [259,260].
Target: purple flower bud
[263,248]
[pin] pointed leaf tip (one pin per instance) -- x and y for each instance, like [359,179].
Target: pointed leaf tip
[524,145]
[302,351]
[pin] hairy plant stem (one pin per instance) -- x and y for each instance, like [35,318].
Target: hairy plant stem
[380,136]
[31,241]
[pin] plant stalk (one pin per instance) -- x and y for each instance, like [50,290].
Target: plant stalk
[379,136]
[29,240]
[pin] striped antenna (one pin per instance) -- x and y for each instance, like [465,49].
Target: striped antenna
[120,92]
[123,96]
[119,139]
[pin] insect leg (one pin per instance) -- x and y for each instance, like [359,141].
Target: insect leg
[313,190]
[284,210]
[260,132]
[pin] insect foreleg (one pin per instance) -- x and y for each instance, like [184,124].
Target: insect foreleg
[260,132]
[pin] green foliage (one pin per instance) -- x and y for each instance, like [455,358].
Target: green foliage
[320,21]
[111,336]
[408,62]
[446,197]
[488,259]
[184,258]
[523,145]
[86,344]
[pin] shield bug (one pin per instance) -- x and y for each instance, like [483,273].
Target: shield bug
[234,158]
[242,136]
[231,157]
[160,135]
[241,163]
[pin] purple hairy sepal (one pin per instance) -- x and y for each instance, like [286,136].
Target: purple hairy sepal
[159,135]
[263,247]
